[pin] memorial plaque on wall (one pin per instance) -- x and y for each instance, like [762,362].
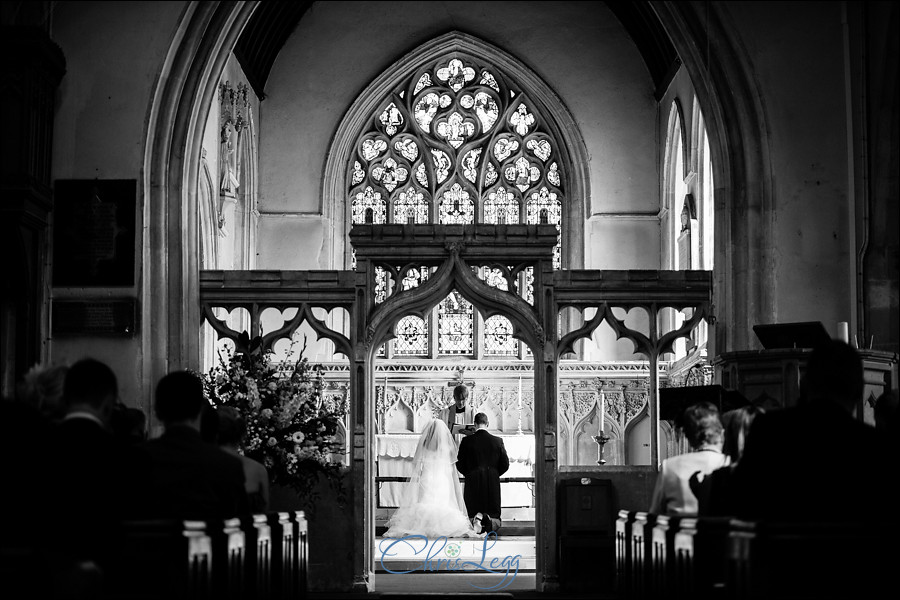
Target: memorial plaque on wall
[94,232]
[95,317]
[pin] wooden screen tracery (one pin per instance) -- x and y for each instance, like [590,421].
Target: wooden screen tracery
[470,261]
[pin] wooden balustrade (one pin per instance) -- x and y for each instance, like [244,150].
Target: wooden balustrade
[713,558]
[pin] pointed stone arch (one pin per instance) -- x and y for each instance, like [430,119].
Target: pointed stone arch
[201,45]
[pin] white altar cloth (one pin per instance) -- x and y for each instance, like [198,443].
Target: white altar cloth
[395,453]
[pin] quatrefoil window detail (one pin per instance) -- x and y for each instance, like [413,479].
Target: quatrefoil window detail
[456,75]
[390,174]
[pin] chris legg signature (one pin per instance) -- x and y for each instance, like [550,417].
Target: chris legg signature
[434,561]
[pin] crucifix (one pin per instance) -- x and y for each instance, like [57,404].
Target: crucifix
[460,379]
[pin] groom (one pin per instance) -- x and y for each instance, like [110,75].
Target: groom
[482,460]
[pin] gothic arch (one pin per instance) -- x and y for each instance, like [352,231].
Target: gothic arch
[743,274]
[209,226]
[179,107]
[672,179]
[204,39]
[455,274]
[563,128]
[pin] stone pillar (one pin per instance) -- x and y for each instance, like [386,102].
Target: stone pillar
[33,67]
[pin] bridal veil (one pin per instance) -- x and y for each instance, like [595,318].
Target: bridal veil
[432,503]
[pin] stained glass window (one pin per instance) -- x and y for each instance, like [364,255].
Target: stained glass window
[456,207]
[413,277]
[544,206]
[368,206]
[456,320]
[498,339]
[501,207]
[412,337]
[464,139]
[458,142]
[410,207]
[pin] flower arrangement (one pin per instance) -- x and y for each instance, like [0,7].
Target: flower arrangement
[290,426]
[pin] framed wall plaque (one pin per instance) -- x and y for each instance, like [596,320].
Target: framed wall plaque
[103,317]
[94,232]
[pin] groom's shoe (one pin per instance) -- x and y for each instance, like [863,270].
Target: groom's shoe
[486,525]
[478,523]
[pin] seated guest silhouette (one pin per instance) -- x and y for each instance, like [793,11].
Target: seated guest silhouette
[99,475]
[43,388]
[714,491]
[482,459]
[814,461]
[672,494]
[814,469]
[191,478]
[232,429]
[129,425]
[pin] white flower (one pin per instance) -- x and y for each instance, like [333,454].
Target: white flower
[272,441]
[298,437]
[266,413]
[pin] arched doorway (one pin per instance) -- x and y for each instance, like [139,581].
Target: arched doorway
[208,33]
[452,251]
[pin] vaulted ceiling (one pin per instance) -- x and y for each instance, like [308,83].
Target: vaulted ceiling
[273,21]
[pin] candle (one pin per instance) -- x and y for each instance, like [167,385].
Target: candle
[602,412]
[843,332]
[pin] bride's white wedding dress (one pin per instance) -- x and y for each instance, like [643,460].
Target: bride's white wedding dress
[432,503]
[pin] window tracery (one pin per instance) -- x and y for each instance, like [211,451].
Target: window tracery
[459,142]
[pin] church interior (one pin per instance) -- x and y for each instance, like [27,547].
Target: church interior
[589,214]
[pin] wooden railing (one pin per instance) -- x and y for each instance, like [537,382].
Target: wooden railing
[261,556]
[712,558]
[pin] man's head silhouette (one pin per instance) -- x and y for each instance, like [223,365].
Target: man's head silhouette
[834,374]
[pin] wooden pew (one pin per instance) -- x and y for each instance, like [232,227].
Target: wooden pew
[163,559]
[816,560]
[258,560]
[662,555]
[737,576]
[701,554]
[285,574]
[228,546]
[641,554]
[624,558]
[302,553]
[714,558]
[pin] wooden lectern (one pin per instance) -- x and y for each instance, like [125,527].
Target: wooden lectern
[771,377]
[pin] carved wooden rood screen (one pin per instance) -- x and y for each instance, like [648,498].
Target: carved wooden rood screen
[440,259]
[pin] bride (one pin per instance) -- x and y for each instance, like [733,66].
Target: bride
[432,504]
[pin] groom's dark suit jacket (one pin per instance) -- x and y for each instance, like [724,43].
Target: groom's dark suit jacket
[482,459]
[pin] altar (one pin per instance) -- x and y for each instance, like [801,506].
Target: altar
[394,455]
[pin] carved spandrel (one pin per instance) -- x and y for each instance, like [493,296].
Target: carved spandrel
[615,406]
[634,403]
[583,403]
